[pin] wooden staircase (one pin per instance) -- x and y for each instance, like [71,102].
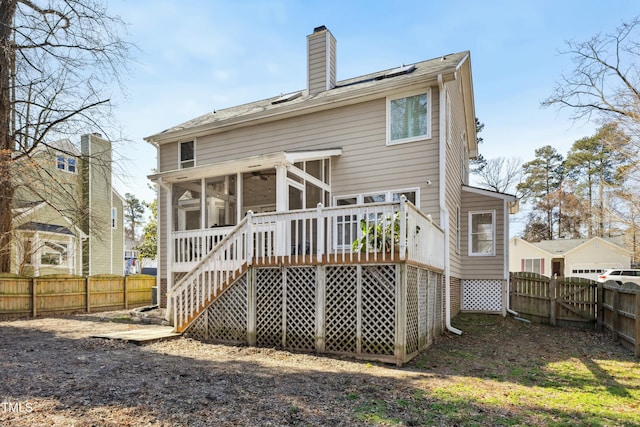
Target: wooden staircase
[215,273]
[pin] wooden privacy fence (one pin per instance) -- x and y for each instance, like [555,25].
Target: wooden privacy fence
[57,294]
[574,301]
[619,312]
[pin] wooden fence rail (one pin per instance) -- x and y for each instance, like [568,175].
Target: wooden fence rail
[57,294]
[579,302]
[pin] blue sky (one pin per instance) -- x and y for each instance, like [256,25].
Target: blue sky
[197,56]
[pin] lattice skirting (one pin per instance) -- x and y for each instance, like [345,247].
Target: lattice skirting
[346,309]
[482,295]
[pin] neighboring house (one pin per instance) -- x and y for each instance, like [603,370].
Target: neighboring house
[67,216]
[311,165]
[568,257]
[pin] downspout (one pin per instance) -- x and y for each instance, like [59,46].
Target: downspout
[506,259]
[444,211]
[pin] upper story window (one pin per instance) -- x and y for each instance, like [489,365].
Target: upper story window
[408,118]
[65,163]
[187,154]
[482,233]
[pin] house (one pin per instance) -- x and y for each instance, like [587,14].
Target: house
[263,210]
[68,219]
[585,258]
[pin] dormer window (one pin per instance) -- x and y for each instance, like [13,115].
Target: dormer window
[187,154]
[65,163]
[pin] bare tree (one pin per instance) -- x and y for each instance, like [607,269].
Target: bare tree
[500,174]
[606,78]
[59,61]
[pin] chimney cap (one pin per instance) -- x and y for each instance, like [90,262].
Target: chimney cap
[320,28]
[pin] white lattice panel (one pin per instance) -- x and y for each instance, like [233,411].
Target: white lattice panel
[423,306]
[269,300]
[198,328]
[482,295]
[301,308]
[341,316]
[227,316]
[378,309]
[412,324]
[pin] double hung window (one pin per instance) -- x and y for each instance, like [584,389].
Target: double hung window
[482,236]
[187,154]
[408,118]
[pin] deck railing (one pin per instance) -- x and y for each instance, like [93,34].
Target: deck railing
[376,232]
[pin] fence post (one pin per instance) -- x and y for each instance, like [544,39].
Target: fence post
[600,306]
[552,301]
[34,299]
[637,338]
[126,297]
[87,293]
[615,322]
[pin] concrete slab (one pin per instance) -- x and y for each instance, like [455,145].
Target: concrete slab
[142,335]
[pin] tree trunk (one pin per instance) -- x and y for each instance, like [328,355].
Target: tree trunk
[7,11]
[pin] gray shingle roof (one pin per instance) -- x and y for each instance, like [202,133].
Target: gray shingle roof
[48,228]
[374,81]
[562,246]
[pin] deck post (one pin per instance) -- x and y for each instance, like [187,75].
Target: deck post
[401,314]
[251,307]
[320,308]
[249,238]
[321,238]
[403,227]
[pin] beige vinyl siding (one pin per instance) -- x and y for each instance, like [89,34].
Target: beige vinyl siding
[317,45]
[454,174]
[366,164]
[483,267]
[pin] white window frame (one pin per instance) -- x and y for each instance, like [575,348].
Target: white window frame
[529,264]
[359,200]
[493,233]
[185,164]
[63,163]
[427,135]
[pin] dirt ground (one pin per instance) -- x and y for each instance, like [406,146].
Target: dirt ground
[53,373]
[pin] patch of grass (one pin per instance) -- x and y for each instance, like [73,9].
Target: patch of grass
[122,319]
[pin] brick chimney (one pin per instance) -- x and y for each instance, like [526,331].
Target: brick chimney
[321,60]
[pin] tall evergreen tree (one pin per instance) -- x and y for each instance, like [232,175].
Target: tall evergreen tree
[599,165]
[543,177]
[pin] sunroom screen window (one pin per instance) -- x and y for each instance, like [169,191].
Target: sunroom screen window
[408,117]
